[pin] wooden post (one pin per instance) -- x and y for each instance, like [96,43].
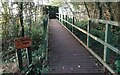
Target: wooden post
[19,52]
[19,58]
[29,55]
[107,40]
[88,37]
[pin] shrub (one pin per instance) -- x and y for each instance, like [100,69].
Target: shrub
[37,38]
[82,24]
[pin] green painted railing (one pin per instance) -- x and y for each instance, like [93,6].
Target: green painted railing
[106,42]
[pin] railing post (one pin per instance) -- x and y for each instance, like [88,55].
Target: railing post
[46,38]
[66,20]
[107,40]
[71,25]
[73,22]
[63,19]
[88,37]
[60,17]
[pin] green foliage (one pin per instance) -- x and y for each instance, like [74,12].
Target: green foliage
[117,63]
[69,26]
[70,20]
[36,35]
[11,29]
[38,54]
[115,39]
[76,4]
[98,33]
[82,24]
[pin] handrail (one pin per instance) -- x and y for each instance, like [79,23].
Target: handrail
[105,21]
[71,15]
[101,21]
[47,38]
[99,40]
[95,38]
[93,53]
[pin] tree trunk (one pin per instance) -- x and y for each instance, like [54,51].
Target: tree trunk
[87,9]
[30,18]
[21,18]
[118,13]
[100,10]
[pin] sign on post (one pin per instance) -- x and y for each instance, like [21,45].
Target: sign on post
[23,42]
[20,43]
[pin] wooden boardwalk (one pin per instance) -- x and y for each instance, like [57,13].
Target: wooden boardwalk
[66,54]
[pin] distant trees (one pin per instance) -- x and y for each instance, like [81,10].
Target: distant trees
[98,9]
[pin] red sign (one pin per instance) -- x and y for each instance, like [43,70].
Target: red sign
[22,42]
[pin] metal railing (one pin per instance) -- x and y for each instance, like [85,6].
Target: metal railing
[107,46]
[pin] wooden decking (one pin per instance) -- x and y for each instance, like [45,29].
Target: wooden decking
[66,54]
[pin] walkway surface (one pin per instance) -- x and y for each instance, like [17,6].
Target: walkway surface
[66,54]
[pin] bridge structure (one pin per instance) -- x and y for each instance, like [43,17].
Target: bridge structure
[67,53]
